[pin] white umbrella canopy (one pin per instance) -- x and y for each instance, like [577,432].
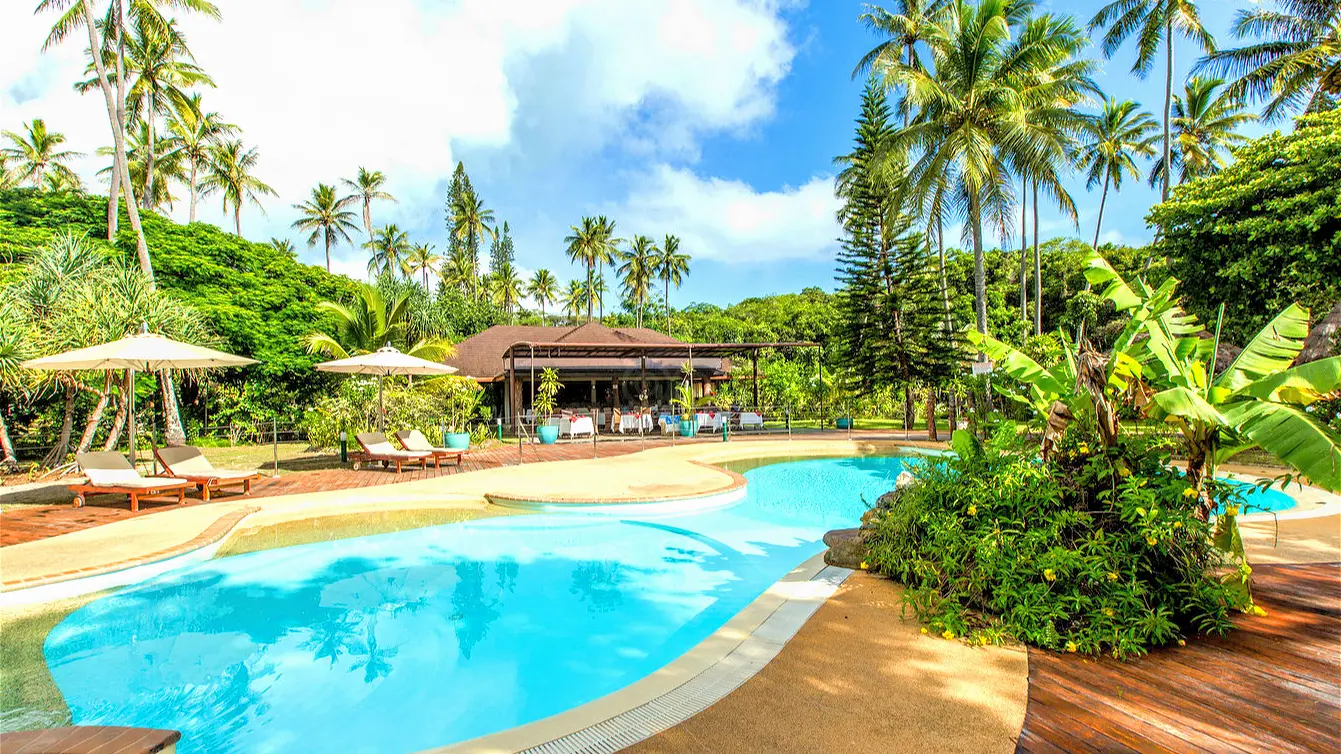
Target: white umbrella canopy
[383,362]
[141,352]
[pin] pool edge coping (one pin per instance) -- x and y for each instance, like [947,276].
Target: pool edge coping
[685,686]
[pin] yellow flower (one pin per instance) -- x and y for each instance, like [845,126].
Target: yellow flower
[1108,611]
[924,629]
[1084,449]
[1151,541]
[864,566]
[1112,576]
[982,640]
[1177,524]
[1123,471]
[1232,510]
[1070,646]
[948,634]
[1189,492]
[1182,643]
[1049,574]
[973,510]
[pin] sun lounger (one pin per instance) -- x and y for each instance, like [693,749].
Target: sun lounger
[109,472]
[187,462]
[377,448]
[413,440]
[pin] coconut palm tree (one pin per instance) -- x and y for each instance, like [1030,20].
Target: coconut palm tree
[901,31]
[63,182]
[606,250]
[1296,65]
[506,286]
[582,249]
[371,321]
[471,223]
[576,298]
[366,188]
[36,152]
[671,267]
[166,161]
[1120,134]
[389,247]
[1205,122]
[7,180]
[985,108]
[543,289]
[327,217]
[1153,22]
[196,131]
[283,246]
[229,173]
[421,260]
[458,271]
[637,271]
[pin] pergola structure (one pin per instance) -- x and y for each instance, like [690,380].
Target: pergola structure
[528,357]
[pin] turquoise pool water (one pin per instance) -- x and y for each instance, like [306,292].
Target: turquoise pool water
[1258,500]
[403,641]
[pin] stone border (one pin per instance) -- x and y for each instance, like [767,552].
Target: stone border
[686,686]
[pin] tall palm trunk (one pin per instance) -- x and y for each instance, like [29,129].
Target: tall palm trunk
[1038,272]
[668,306]
[118,138]
[979,263]
[940,263]
[1024,252]
[114,192]
[237,217]
[591,289]
[95,416]
[1168,102]
[173,433]
[113,203]
[600,302]
[148,197]
[192,217]
[1098,225]
[328,259]
[367,217]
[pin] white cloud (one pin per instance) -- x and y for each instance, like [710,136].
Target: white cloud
[729,221]
[398,85]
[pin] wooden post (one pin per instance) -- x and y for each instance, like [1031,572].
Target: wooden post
[755,361]
[512,392]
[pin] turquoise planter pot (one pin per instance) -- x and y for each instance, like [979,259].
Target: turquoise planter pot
[844,423]
[458,440]
[548,434]
[688,428]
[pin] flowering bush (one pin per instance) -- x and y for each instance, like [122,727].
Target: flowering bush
[1092,551]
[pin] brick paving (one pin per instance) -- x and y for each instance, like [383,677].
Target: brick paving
[32,523]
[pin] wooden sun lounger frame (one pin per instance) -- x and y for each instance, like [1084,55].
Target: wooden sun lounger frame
[204,482]
[135,493]
[438,453]
[364,454]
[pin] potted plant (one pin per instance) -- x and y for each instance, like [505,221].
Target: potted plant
[684,393]
[544,406]
[462,403]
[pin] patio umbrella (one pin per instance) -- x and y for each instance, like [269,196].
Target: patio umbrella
[141,352]
[382,362]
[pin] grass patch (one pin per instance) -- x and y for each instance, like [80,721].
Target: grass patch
[29,698]
[343,526]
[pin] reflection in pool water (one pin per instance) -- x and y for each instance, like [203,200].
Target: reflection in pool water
[402,641]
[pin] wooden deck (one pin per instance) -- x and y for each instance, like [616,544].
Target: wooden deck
[1272,685]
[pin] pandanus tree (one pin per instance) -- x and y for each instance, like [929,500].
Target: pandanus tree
[326,217]
[1163,361]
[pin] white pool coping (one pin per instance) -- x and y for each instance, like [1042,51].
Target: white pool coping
[715,667]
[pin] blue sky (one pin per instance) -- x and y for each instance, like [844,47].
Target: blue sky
[716,120]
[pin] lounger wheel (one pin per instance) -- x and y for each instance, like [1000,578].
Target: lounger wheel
[79,500]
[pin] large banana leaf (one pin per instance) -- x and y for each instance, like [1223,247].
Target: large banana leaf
[1189,405]
[1302,385]
[1099,272]
[1013,362]
[1270,351]
[1292,436]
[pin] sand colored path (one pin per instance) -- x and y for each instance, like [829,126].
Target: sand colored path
[859,677]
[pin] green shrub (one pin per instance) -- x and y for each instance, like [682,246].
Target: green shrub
[1090,552]
[425,406]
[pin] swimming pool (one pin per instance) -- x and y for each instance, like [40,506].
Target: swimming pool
[420,638]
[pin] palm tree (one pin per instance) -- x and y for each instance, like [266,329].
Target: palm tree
[388,246]
[507,286]
[637,271]
[607,247]
[370,322]
[421,259]
[1153,22]
[458,271]
[367,187]
[165,160]
[1296,66]
[544,289]
[471,223]
[1120,134]
[283,246]
[576,298]
[671,267]
[994,103]
[1205,119]
[36,151]
[229,173]
[901,31]
[196,131]
[7,180]
[56,181]
[327,217]
[582,245]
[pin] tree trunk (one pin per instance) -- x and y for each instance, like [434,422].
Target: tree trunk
[931,416]
[328,260]
[57,454]
[237,218]
[591,289]
[1038,272]
[9,459]
[118,139]
[122,408]
[192,217]
[173,433]
[909,413]
[1168,102]
[367,217]
[979,264]
[668,306]
[940,262]
[148,197]
[113,203]
[1024,252]
[95,416]
[952,408]
[1318,345]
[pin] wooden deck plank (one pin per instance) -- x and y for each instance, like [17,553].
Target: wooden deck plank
[1274,684]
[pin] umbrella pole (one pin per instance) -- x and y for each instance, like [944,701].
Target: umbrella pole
[381,412]
[130,385]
